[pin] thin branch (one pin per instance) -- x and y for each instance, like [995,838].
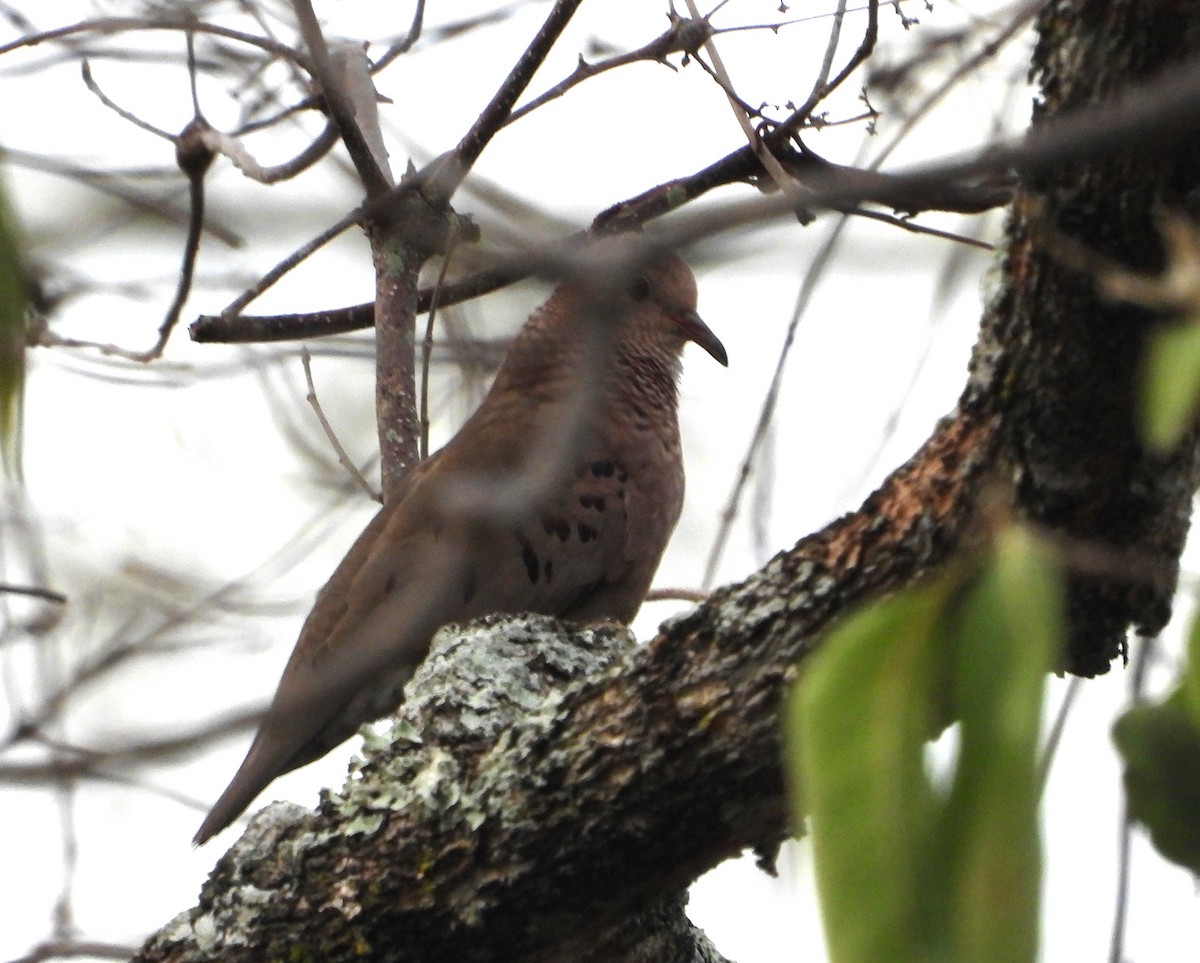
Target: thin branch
[427,351]
[768,160]
[88,763]
[1166,107]
[290,262]
[683,36]
[870,35]
[835,34]
[343,458]
[229,146]
[808,287]
[1137,684]
[457,28]
[1003,37]
[905,224]
[194,159]
[89,81]
[1054,737]
[31,591]
[695,596]
[229,327]
[372,171]
[402,46]
[721,77]
[109,25]
[498,109]
[107,183]
[63,914]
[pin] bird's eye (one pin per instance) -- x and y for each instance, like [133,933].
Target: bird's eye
[639,290]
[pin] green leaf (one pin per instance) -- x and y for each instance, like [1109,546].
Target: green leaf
[904,874]
[12,341]
[1161,748]
[1170,385]
[1009,632]
[1190,682]
[857,721]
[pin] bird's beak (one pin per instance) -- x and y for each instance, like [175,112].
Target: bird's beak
[700,333]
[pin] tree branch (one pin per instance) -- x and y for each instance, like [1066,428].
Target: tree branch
[534,815]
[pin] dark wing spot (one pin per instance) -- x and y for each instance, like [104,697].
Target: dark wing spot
[592,501]
[586,532]
[639,411]
[529,557]
[622,475]
[556,526]
[603,469]
[389,584]
[548,568]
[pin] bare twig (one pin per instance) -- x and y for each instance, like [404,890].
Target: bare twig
[800,116]
[109,25]
[683,36]
[402,46]
[770,164]
[812,278]
[290,262]
[64,913]
[32,591]
[1054,736]
[194,159]
[427,351]
[109,184]
[1137,682]
[232,148]
[498,109]
[343,458]
[76,762]
[371,170]
[905,224]
[1024,14]
[835,35]
[85,69]
[676,595]
[229,327]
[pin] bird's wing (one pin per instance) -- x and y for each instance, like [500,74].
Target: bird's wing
[568,548]
[297,712]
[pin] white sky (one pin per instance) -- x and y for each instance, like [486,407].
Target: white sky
[198,480]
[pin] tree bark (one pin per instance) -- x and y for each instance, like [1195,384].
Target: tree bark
[1068,361]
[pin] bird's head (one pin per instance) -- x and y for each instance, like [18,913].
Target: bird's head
[641,298]
[659,303]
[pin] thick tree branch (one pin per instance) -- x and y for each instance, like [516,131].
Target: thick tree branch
[597,779]
[1072,356]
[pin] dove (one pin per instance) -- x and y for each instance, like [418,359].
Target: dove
[577,530]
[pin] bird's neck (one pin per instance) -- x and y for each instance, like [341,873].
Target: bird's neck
[645,380]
